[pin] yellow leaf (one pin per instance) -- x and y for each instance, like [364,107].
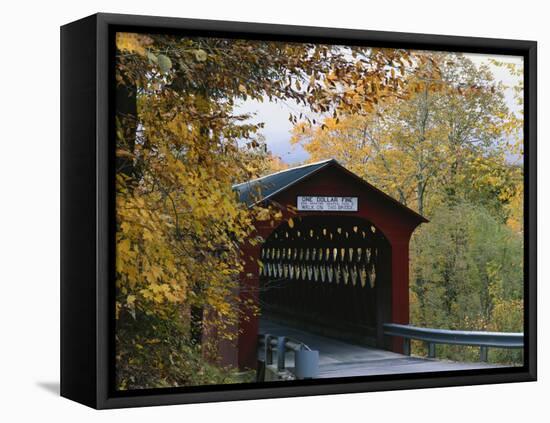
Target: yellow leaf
[132,43]
[201,55]
[123,246]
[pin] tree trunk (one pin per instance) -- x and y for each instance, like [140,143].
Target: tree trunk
[420,198]
[126,112]
[197,313]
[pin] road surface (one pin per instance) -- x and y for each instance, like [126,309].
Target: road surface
[341,359]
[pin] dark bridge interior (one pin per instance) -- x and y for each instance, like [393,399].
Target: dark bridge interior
[330,275]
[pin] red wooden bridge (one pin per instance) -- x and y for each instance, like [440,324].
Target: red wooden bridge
[344,263]
[333,274]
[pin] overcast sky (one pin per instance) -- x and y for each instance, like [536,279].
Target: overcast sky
[277,129]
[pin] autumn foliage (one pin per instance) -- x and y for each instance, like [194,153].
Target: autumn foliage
[431,129]
[453,151]
[180,147]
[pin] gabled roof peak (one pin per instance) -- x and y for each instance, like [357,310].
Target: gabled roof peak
[260,189]
[285,170]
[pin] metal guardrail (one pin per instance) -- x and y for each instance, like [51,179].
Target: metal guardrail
[306,360]
[431,337]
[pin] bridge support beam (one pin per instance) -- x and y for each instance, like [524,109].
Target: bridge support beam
[249,296]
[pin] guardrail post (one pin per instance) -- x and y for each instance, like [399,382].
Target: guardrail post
[484,354]
[281,352]
[268,352]
[407,346]
[431,350]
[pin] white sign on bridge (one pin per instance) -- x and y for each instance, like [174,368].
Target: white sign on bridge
[317,203]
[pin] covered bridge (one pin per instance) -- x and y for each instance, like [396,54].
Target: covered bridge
[339,267]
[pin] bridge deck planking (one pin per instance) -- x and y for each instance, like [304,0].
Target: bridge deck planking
[342,359]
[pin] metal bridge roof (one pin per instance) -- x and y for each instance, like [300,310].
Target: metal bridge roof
[257,190]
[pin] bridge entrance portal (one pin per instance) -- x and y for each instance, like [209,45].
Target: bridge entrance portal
[330,275]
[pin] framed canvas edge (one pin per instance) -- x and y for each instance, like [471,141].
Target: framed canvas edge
[78,276]
[312,390]
[530,206]
[528,49]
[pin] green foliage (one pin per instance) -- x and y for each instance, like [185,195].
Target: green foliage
[467,274]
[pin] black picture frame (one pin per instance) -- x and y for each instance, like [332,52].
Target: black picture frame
[87,208]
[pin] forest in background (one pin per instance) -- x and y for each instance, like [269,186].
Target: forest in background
[452,150]
[431,129]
